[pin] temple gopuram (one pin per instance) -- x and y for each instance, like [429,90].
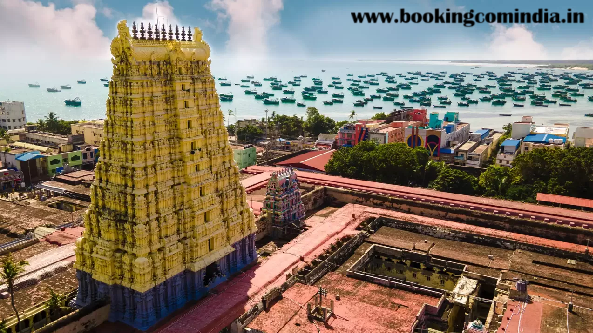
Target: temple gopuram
[283,204]
[169,218]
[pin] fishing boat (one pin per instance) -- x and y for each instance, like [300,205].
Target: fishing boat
[338,95]
[359,103]
[588,114]
[288,100]
[34,85]
[225,84]
[399,103]
[53,90]
[542,105]
[273,101]
[73,102]
[250,92]
[462,104]
[337,100]
[439,106]
[499,102]
[505,114]
[377,107]
[328,103]
[67,86]
[105,79]
[226,97]
[562,104]
[288,91]
[518,105]
[105,84]
[388,98]
[301,105]
[81,81]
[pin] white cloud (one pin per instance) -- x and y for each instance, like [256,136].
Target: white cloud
[582,51]
[107,12]
[249,22]
[49,38]
[161,10]
[514,43]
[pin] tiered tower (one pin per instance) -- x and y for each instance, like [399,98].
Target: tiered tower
[168,218]
[283,204]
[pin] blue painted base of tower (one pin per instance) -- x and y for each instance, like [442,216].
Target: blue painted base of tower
[143,310]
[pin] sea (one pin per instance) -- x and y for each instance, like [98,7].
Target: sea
[39,102]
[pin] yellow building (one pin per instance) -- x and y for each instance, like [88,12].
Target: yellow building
[92,131]
[168,218]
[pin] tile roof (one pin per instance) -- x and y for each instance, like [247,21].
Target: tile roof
[314,160]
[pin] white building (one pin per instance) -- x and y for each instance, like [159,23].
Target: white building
[583,137]
[12,115]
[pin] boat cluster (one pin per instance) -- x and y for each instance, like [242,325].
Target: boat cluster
[520,87]
[69,102]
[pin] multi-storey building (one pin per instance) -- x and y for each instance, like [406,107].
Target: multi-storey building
[92,131]
[168,218]
[12,115]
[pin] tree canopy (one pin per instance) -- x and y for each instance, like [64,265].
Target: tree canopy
[287,126]
[249,133]
[317,123]
[53,124]
[380,116]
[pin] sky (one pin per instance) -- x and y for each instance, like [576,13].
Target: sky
[75,34]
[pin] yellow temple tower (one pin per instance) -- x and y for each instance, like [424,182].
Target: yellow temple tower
[168,218]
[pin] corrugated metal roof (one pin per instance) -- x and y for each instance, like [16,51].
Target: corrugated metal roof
[510,143]
[481,131]
[542,138]
[29,156]
[561,199]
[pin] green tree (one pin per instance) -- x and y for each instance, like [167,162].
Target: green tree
[288,126]
[54,303]
[317,123]
[508,129]
[455,181]
[249,133]
[231,129]
[495,181]
[53,124]
[352,115]
[380,116]
[9,271]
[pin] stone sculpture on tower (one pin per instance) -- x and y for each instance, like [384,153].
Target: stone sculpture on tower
[168,218]
[283,204]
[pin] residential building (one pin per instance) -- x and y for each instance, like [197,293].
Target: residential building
[509,149]
[535,141]
[10,179]
[378,137]
[463,151]
[443,135]
[478,156]
[64,162]
[480,135]
[244,156]
[583,137]
[63,143]
[92,131]
[90,156]
[347,135]
[12,115]
[325,141]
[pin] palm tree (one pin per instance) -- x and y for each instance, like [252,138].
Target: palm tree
[229,119]
[3,328]
[352,114]
[9,270]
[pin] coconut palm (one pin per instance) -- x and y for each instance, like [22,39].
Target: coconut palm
[9,270]
[352,115]
[229,118]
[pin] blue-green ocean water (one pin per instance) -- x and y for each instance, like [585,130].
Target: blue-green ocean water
[38,102]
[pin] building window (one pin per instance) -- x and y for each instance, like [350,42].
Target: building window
[442,282]
[428,278]
[189,124]
[84,156]
[210,245]
[186,104]
[193,145]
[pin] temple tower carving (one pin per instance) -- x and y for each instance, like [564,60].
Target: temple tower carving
[283,204]
[168,218]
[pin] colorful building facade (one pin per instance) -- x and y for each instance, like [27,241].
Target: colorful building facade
[168,218]
[283,204]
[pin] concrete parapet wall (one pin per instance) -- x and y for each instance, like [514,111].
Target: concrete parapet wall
[498,220]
